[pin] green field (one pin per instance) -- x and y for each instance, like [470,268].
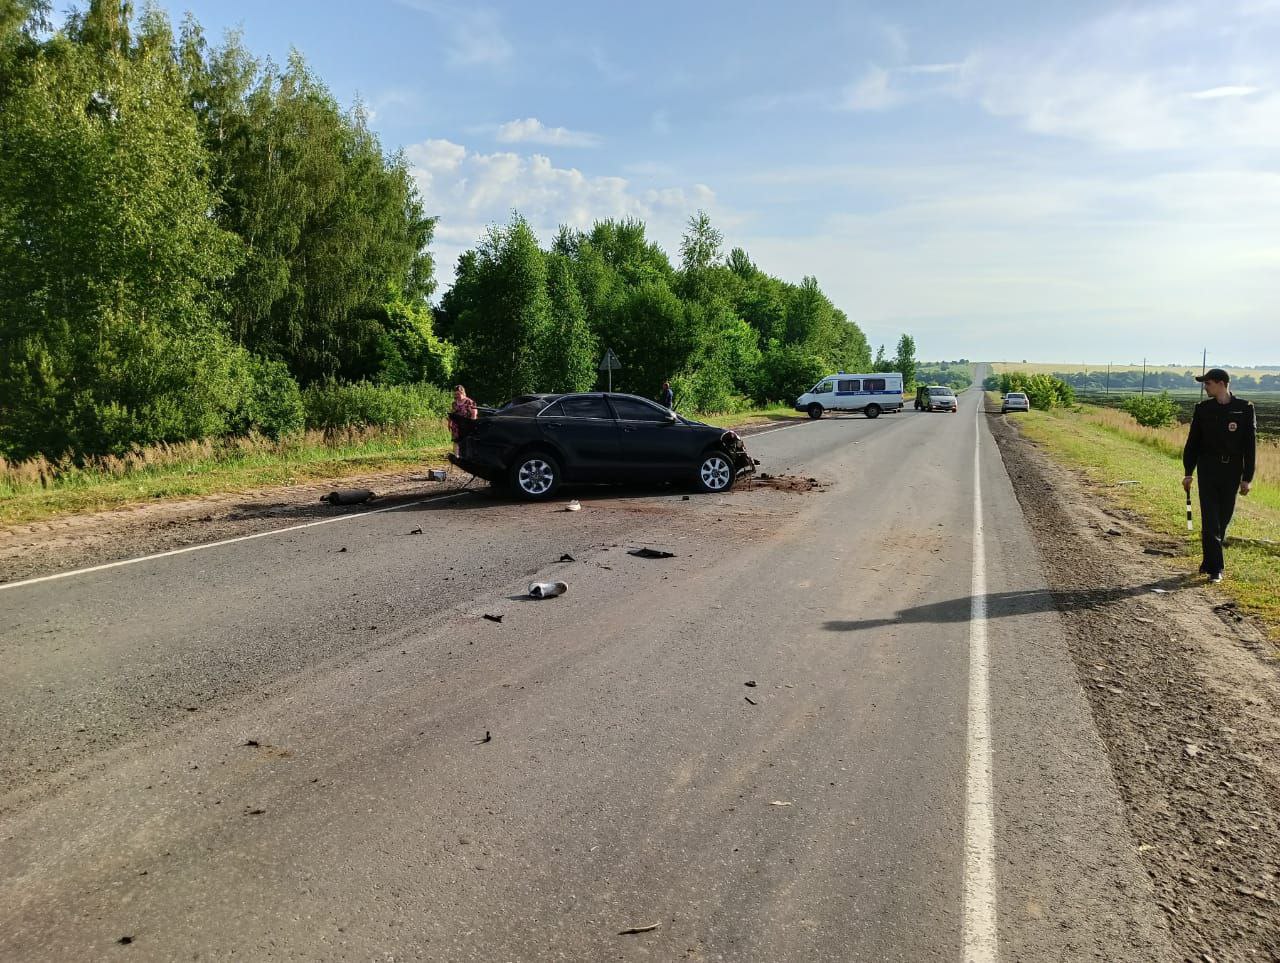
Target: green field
[1265,403]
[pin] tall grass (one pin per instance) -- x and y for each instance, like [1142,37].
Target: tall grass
[207,456]
[1169,441]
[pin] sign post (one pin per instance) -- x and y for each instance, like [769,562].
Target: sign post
[609,363]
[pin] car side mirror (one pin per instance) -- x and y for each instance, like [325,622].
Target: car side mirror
[670,419]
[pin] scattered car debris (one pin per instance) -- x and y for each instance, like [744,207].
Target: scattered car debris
[125,940]
[488,737]
[751,700]
[650,553]
[254,812]
[348,496]
[436,474]
[566,557]
[343,549]
[1158,551]
[573,506]
[251,744]
[1114,532]
[750,684]
[781,802]
[547,590]
[633,930]
[416,531]
[1191,749]
[493,618]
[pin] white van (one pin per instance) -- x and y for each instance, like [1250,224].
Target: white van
[869,393]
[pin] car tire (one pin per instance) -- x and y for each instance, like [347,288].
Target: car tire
[872,411]
[534,476]
[815,411]
[715,473]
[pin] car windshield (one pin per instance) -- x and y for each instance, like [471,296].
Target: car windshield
[942,392]
[1017,396]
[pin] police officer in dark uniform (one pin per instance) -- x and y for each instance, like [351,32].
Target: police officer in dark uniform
[1221,445]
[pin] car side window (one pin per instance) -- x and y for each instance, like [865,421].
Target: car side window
[552,411]
[822,389]
[586,407]
[850,385]
[873,384]
[631,409]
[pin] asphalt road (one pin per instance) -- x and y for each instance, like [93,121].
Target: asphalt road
[821,732]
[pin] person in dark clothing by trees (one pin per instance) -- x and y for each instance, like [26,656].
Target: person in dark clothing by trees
[1221,446]
[668,397]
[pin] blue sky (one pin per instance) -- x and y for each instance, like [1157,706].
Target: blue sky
[1068,182]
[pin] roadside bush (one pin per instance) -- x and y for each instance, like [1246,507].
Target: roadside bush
[1152,411]
[274,405]
[1044,391]
[331,405]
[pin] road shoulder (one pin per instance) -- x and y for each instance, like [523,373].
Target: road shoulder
[1185,698]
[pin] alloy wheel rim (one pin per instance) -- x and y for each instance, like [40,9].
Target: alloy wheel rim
[536,476]
[715,473]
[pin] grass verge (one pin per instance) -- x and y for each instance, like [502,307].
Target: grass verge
[37,490]
[1141,469]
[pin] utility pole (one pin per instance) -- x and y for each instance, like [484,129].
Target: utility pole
[1144,376]
[1108,377]
[1204,364]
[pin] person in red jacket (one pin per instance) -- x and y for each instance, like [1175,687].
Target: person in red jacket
[1222,447]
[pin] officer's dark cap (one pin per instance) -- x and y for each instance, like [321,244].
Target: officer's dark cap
[1214,374]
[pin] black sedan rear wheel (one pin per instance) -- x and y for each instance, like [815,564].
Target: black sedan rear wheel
[715,473]
[535,476]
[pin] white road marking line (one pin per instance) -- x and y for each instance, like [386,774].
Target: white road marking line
[980,941]
[770,431]
[225,541]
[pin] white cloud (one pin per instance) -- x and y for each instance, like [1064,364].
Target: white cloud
[530,130]
[871,92]
[476,36]
[1217,93]
[1041,262]
[468,190]
[948,68]
[1121,80]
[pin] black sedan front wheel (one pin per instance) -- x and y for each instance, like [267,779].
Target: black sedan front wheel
[715,473]
[535,476]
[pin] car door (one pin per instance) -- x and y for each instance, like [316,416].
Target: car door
[653,442]
[848,391]
[582,429]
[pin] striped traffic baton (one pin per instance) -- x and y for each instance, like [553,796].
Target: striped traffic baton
[1188,509]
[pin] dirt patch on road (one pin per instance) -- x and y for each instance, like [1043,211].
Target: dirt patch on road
[1186,696]
[784,483]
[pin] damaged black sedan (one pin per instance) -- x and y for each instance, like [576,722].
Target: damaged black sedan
[535,443]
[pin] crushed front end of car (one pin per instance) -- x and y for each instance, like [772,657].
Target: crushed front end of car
[743,463]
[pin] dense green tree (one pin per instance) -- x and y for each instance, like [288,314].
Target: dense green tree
[108,259]
[905,361]
[568,349]
[332,228]
[500,311]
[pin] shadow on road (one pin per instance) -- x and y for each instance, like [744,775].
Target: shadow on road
[1006,604]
